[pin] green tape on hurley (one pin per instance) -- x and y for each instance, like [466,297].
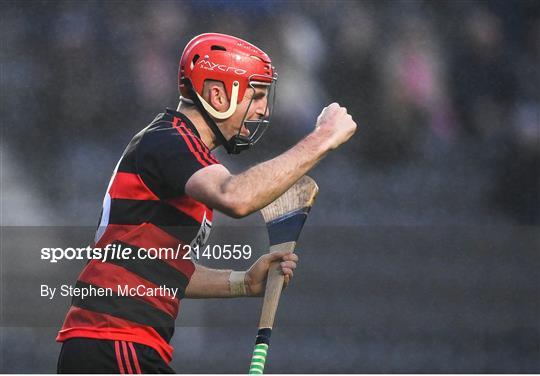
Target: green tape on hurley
[258,359]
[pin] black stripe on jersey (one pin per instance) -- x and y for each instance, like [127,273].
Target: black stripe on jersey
[156,271]
[127,308]
[135,212]
[182,233]
[129,157]
[128,162]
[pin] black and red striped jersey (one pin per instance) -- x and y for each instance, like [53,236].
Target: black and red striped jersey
[145,207]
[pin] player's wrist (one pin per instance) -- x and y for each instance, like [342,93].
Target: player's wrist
[319,142]
[237,284]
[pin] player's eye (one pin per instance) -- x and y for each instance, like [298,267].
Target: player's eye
[259,95]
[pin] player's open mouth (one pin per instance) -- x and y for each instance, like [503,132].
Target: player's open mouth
[244,131]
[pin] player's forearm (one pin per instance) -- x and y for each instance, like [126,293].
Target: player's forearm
[208,283]
[260,185]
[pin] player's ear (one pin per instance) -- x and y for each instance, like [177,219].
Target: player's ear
[217,96]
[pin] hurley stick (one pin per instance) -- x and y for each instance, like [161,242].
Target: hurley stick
[284,219]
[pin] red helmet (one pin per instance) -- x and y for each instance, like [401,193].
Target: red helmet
[224,58]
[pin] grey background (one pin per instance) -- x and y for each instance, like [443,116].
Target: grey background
[421,254]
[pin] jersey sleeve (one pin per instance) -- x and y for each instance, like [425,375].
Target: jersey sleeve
[168,156]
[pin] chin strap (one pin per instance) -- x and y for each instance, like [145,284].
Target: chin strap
[237,143]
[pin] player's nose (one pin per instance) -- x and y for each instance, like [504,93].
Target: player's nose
[262,111]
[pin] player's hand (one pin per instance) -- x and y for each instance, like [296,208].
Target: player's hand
[335,125]
[255,278]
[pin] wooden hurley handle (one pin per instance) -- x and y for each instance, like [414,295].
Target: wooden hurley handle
[274,285]
[284,220]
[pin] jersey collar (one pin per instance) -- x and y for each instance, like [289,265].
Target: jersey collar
[184,118]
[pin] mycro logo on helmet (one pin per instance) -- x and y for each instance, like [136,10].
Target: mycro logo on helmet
[208,65]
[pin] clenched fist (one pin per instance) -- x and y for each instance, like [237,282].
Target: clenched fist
[335,125]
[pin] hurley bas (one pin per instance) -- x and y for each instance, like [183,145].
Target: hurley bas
[83,292]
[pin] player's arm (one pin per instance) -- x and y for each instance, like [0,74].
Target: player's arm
[242,194]
[216,283]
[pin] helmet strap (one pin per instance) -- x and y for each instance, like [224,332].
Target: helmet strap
[230,145]
[222,115]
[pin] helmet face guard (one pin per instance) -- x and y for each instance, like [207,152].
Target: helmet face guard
[240,66]
[257,127]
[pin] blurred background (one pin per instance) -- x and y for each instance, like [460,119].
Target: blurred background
[422,252]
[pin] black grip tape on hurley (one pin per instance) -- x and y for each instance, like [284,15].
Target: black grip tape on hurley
[263,336]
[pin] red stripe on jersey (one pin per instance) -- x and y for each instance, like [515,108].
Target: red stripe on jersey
[195,209]
[114,232]
[200,146]
[83,323]
[150,236]
[197,142]
[103,274]
[118,357]
[134,356]
[130,186]
[126,357]
[188,143]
